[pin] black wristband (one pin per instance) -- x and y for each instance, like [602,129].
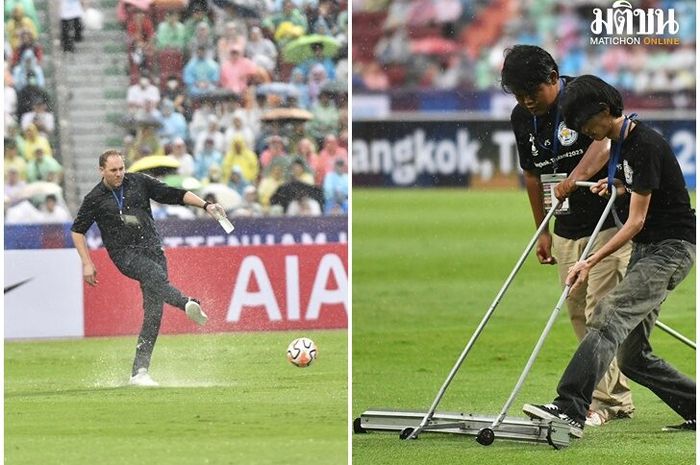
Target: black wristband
[206,204]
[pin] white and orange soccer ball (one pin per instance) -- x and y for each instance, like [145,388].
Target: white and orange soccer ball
[301,352]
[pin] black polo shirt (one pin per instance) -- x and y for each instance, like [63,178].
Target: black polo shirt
[535,142]
[649,165]
[101,206]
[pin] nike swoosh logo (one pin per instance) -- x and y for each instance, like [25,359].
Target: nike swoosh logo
[15,286]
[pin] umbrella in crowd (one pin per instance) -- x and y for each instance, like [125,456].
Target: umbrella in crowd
[38,190]
[295,190]
[238,9]
[154,162]
[287,114]
[283,89]
[217,95]
[335,87]
[224,195]
[188,183]
[301,49]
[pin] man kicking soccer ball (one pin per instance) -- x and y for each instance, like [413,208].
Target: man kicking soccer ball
[120,205]
[661,225]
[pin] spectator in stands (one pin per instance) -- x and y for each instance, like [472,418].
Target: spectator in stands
[171,33]
[53,212]
[318,59]
[16,24]
[287,24]
[260,45]
[249,206]
[239,128]
[199,14]
[270,183]
[27,6]
[179,153]
[306,150]
[237,71]
[26,68]
[335,189]
[10,101]
[236,181]
[275,153]
[202,37]
[13,160]
[176,93]
[322,19]
[148,114]
[139,93]
[146,142]
[298,172]
[14,185]
[201,75]
[231,38]
[240,155]
[140,37]
[27,42]
[33,140]
[212,132]
[298,80]
[326,119]
[305,206]
[172,124]
[214,176]
[41,166]
[200,118]
[71,24]
[374,77]
[29,94]
[205,159]
[317,79]
[327,157]
[40,117]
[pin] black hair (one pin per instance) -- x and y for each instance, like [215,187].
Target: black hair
[585,97]
[525,67]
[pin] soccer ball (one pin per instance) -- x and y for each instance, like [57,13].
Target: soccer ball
[301,352]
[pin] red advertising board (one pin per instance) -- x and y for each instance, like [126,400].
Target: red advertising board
[241,289]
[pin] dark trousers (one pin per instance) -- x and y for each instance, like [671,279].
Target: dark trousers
[149,268]
[621,324]
[71,31]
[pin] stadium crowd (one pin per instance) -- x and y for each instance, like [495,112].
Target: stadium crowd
[32,174]
[232,100]
[246,99]
[459,44]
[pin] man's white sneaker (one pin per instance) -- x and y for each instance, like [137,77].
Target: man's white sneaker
[194,312]
[142,378]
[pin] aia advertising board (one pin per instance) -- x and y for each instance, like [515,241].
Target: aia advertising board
[254,288]
[457,153]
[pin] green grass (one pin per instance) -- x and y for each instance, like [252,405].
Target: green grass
[224,399]
[426,266]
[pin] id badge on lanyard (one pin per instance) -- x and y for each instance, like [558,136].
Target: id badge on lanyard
[548,183]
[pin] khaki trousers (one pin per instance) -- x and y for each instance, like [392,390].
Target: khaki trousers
[612,396]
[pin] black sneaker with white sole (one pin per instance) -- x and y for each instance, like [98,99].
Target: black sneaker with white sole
[552,412]
[687,425]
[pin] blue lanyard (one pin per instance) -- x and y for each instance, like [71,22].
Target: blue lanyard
[616,150]
[557,120]
[120,199]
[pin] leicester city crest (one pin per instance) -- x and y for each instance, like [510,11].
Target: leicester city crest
[566,136]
